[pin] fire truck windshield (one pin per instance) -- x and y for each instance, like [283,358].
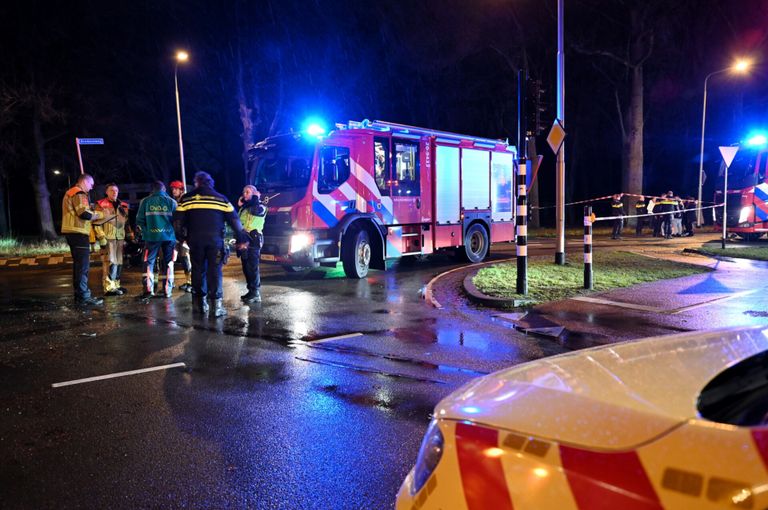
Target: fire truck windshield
[282,165]
[743,170]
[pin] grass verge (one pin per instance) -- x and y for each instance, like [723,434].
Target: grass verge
[549,282]
[11,247]
[571,232]
[752,252]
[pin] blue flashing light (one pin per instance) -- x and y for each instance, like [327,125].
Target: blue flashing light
[471,409]
[315,130]
[314,127]
[757,140]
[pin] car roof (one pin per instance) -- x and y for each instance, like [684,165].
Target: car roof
[610,397]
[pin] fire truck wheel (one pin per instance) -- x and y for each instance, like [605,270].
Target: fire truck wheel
[476,243]
[750,237]
[356,253]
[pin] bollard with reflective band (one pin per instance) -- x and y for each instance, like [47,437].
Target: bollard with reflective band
[521,221]
[588,283]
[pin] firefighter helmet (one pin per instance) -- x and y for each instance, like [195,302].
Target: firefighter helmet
[176,184]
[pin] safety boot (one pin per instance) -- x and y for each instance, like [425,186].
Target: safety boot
[218,307]
[200,305]
[253,296]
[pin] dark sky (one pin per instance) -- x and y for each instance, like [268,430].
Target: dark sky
[106,69]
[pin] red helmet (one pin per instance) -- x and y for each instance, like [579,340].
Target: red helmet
[177,184]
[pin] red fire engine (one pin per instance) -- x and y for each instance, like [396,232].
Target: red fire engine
[373,191]
[747,204]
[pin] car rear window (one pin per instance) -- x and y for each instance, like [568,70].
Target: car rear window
[739,394]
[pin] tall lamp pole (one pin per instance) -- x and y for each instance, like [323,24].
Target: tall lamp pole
[560,166]
[181,56]
[740,66]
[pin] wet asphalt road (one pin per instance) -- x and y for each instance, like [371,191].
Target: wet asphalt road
[269,410]
[315,398]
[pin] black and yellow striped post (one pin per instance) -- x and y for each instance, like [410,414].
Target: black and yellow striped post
[588,282]
[521,223]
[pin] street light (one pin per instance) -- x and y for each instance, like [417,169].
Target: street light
[741,66]
[181,56]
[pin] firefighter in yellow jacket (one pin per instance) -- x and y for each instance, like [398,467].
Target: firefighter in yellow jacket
[76,226]
[111,232]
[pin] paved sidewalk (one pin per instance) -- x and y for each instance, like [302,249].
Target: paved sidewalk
[735,293]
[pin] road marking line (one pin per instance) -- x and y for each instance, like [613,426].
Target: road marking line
[330,338]
[116,374]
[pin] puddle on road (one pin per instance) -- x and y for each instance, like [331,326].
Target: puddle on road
[400,359]
[206,365]
[401,407]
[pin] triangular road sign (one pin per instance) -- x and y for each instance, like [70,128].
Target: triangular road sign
[729,152]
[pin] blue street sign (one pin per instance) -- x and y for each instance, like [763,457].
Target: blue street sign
[90,141]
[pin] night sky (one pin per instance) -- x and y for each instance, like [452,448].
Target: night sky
[105,69]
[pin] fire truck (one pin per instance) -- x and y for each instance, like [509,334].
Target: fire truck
[747,204]
[369,192]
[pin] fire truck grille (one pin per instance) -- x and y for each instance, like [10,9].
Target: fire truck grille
[733,209]
[277,224]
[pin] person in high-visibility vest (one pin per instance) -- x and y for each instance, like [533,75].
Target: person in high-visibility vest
[111,232]
[617,210]
[252,214]
[76,218]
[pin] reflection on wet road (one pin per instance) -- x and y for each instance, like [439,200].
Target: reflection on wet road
[315,398]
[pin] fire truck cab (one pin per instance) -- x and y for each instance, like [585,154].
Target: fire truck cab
[747,204]
[373,191]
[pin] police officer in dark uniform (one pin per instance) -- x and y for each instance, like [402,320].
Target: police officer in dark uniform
[640,208]
[667,206]
[617,209]
[199,220]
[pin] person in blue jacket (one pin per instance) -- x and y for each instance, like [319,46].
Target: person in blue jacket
[155,219]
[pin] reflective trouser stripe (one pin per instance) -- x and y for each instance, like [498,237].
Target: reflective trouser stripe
[482,476]
[149,277]
[169,273]
[601,480]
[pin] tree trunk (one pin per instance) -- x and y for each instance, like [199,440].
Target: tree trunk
[40,184]
[246,115]
[632,161]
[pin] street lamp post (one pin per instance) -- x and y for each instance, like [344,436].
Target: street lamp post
[741,66]
[181,56]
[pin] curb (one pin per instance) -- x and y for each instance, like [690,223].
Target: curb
[475,295]
[705,254]
[42,260]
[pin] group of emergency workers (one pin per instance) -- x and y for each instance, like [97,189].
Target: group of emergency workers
[187,226]
[669,216]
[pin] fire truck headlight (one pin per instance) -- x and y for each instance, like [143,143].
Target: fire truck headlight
[429,455]
[745,213]
[300,241]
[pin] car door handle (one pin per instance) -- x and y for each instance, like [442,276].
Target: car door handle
[418,203]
